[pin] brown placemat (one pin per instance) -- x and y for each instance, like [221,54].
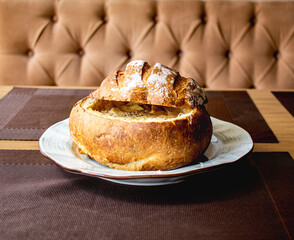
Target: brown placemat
[42,201]
[27,112]
[238,108]
[277,170]
[286,99]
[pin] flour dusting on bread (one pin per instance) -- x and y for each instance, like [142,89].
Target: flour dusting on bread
[141,119]
[157,85]
[160,81]
[133,75]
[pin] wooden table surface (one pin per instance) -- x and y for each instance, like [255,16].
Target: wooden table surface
[252,199]
[277,117]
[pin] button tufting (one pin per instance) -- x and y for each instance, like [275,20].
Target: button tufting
[81,52]
[179,53]
[29,53]
[54,18]
[203,19]
[276,54]
[128,53]
[252,20]
[228,54]
[155,18]
[104,19]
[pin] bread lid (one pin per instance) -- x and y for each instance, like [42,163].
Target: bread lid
[155,85]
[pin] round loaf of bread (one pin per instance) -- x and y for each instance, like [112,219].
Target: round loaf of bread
[138,121]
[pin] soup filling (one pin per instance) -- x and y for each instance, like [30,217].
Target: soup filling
[136,111]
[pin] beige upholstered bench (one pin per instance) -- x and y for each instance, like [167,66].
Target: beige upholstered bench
[221,44]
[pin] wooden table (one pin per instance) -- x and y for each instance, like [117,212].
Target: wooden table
[250,199]
[276,116]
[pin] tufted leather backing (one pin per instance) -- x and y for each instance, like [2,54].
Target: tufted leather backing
[218,43]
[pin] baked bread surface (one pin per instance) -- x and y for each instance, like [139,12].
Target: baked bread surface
[157,85]
[136,123]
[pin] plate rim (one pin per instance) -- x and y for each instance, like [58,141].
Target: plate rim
[158,175]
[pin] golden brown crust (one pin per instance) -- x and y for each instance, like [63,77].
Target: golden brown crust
[140,145]
[177,138]
[156,85]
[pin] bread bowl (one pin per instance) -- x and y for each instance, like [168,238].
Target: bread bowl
[143,118]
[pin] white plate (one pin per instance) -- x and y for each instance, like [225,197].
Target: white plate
[229,143]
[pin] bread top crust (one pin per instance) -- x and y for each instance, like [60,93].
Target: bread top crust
[156,85]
